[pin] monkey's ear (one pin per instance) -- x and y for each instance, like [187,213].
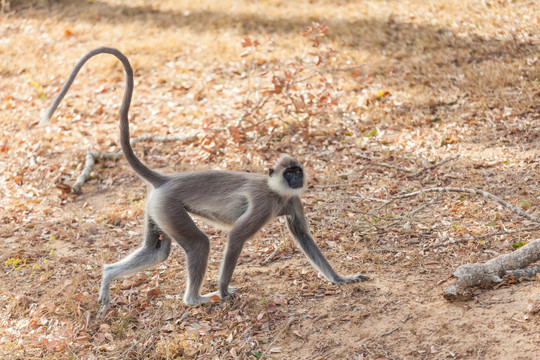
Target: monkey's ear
[270,171]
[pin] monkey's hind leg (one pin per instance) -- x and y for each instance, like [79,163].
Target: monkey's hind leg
[176,222]
[154,249]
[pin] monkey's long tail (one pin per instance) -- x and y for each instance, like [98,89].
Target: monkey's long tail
[153,177]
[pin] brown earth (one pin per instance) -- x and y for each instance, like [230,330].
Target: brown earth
[374,92]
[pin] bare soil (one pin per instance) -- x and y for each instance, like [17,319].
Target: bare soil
[374,91]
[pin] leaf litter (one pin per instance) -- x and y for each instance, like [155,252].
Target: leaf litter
[347,89]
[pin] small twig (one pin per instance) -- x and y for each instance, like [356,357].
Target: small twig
[269,347]
[483,236]
[270,257]
[166,347]
[386,250]
[391,331]
[85,173]
[300,346]
[145,336]
[162,139]
[320,317]
[416,173]
[407,170]
[411,213]
[258,106]
[328,71]
[348,184]
[389,166]
[268,118]
[393,167]
[368,198]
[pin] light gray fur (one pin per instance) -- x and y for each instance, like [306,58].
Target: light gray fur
[241,202]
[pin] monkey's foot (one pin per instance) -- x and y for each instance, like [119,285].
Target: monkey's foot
[352,279]
[231,292]
[206,298]
[104,300]
[102,311]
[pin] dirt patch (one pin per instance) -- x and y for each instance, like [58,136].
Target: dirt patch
[364,93]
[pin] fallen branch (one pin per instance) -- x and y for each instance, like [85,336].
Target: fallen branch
[492,271]
[527,273]
[92,156]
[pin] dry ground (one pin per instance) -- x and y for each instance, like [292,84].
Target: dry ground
[400,83]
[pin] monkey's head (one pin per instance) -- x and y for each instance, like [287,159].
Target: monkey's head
[287,177]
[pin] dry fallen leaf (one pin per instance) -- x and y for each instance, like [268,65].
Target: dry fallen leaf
[153,292]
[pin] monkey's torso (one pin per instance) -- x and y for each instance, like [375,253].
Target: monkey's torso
[220,197]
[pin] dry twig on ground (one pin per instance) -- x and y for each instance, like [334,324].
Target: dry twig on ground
[91,157]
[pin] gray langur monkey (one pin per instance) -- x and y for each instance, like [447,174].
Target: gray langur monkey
[241,202]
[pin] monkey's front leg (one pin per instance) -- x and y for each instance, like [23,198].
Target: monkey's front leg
[245,227]
[297,225]
[228,264]
[315,256]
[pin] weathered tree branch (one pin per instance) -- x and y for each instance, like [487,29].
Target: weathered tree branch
[492,271]
[91,157]
[529,272]
[85,173]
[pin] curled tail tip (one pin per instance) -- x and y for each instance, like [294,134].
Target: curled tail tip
[45,118]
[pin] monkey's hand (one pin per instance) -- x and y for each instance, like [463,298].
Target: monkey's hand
[351,279]
[104,300]
[229,294]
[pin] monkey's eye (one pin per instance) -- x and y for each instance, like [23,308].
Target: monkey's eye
[293,171]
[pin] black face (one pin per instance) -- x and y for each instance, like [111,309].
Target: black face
[294,177]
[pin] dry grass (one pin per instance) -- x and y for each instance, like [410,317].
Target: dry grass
[435,79]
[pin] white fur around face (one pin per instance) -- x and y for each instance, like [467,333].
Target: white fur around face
[280,186]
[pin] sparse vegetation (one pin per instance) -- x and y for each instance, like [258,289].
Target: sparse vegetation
[373,96]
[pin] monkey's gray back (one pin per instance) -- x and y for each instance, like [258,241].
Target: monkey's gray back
[221,197]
